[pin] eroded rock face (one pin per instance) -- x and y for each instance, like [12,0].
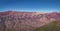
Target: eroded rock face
[25,21]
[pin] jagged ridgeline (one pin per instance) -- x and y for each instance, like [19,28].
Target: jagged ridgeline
[53,26]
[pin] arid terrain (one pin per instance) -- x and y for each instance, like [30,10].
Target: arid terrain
[26,21]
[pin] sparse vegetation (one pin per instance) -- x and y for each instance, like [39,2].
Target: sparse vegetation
[54,26]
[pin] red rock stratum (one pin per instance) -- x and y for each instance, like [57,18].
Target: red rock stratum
[25,21]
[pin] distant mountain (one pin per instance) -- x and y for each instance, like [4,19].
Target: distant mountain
[25,21]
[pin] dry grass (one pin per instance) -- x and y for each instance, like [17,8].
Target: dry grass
[54,26]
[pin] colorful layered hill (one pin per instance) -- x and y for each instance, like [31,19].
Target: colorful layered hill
[25,21]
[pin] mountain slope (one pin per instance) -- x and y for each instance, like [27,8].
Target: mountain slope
[53,26]
[25,21]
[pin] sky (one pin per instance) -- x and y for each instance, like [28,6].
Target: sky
[30,5]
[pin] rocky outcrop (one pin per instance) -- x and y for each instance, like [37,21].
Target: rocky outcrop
[25,21]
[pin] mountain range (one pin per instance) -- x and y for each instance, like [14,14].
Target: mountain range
[26,21]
